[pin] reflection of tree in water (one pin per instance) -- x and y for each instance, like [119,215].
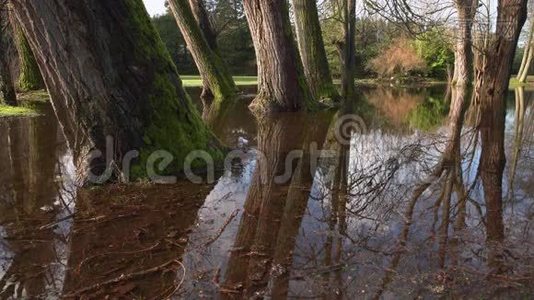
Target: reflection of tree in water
[448,169]
[406,220]
[262,254]
[27,155]
[523,130]
[231,121]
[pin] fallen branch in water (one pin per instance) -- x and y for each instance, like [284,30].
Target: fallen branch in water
[125,277]
[85,261]
[223,228]
[171,291]
[51,225]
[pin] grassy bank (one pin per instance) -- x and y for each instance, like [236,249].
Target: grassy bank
[196,81]
[28,104]
[20,111]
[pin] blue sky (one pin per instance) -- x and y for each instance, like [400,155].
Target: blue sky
[155,7]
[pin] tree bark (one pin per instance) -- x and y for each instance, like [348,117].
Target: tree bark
[8,95]
[282,85]
[494,88]
[210,65]
[201,16]
[109,74]
[463,54]
[312,50]
[349,48]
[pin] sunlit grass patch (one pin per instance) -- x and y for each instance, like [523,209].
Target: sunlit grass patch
[196,81]
[19,111]
[529,85]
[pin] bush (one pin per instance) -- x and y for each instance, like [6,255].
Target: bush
[400,58]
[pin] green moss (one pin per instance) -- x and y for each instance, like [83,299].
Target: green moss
[178,135]
[30,76]
[17,111]
[172,124]
[328,94]
[310,103]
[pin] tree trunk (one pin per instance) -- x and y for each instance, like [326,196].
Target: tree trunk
[201,16]
[203,20]
[281,82]
[30,78]
[312,50]
[109,74]
[210,65]
[527,56]
[494,88]
[463,54]
[349,48]
[8,95]
[524,75]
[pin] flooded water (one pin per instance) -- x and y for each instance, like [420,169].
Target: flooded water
[317,206]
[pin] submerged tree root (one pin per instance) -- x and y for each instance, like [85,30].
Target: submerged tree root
[130,276]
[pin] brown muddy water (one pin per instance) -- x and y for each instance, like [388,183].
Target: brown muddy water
[326,226]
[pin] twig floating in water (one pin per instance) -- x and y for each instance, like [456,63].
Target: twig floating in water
[220,232]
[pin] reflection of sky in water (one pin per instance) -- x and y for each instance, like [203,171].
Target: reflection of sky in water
[224,202]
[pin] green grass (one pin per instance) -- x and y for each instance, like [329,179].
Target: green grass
[196,81]
[29,104]
[19,111]
[529,85]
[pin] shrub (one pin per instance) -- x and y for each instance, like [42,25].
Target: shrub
[400,58]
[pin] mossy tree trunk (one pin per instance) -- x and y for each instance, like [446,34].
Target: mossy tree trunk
[201,16]
[108,70]
[349,48]
[463,54]
[30,78]
[212,68]
[492,97]
[281,81]
[8,95]
[312,50]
